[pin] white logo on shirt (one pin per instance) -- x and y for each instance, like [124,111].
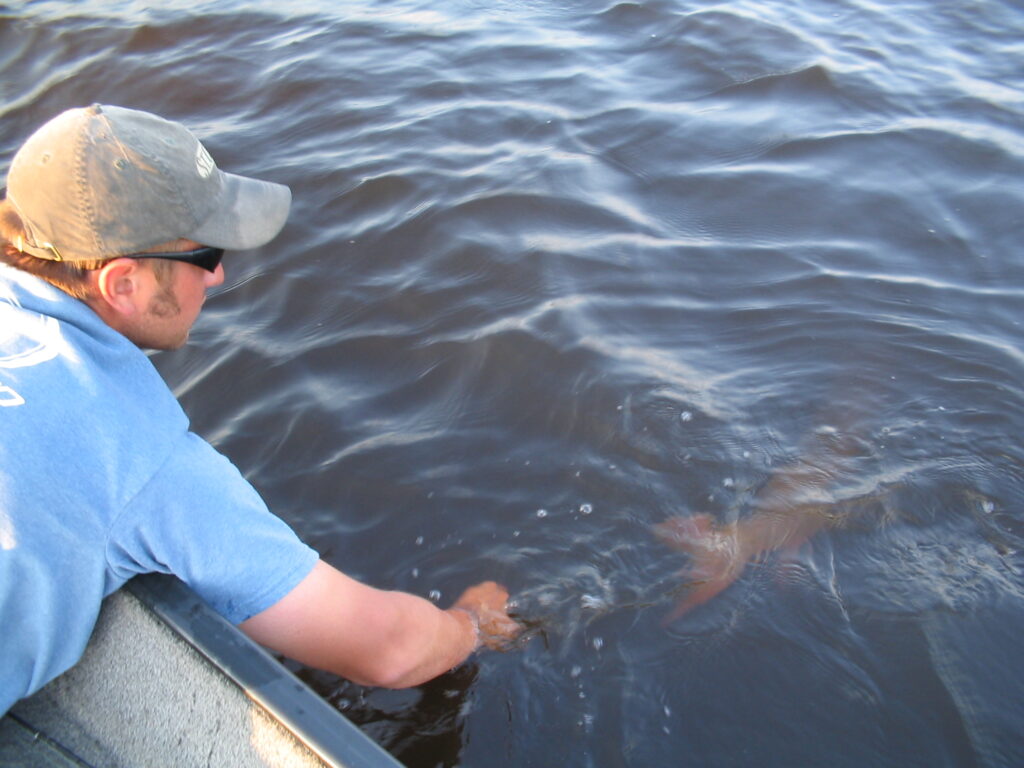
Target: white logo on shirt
[8,397]
[8,540]
[30,339]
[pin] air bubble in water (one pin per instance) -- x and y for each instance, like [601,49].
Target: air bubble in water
[592,601]
[686,416]
[542,513]
[435,595]
[586,509]
[598,643]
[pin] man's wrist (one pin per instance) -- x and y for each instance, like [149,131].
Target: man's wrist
[474,622]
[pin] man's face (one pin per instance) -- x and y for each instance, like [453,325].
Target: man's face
[174,305]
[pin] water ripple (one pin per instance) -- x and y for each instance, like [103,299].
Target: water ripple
[619,262]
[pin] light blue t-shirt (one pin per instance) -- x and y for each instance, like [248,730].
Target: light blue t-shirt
[100,479]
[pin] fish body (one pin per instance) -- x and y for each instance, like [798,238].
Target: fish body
[719,552]
[794,505]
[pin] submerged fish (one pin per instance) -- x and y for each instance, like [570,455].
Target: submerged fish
[791,508]
[720,552]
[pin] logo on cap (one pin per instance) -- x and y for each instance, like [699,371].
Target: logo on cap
[204,163]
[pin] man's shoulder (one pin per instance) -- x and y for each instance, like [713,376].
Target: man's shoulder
[60,364]
[29,296]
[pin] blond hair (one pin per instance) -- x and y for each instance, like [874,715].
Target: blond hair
[70,277]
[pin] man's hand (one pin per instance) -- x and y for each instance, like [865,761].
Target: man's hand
[487,605]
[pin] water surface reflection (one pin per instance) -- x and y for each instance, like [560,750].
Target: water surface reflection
[559,273]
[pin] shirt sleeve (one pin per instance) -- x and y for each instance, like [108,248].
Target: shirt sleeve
[200,520]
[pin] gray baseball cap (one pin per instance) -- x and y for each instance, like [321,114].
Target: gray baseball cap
[103,181]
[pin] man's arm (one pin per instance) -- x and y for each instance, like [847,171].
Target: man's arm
[375,637]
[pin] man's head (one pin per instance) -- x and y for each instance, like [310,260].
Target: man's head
[98,184]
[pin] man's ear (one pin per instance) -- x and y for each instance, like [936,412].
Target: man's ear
[121,287]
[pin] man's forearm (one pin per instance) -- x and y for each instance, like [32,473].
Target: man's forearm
[375,637]
[422,642]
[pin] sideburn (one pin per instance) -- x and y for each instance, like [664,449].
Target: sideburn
[165,303]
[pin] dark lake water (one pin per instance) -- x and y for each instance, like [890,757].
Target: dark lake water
[558,272]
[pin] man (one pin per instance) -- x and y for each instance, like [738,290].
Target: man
[114,222]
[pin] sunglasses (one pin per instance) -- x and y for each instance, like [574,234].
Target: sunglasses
[206,257]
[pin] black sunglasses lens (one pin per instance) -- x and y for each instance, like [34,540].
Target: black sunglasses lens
[207,258]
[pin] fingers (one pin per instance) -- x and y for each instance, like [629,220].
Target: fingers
[498,631]
[488,601]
